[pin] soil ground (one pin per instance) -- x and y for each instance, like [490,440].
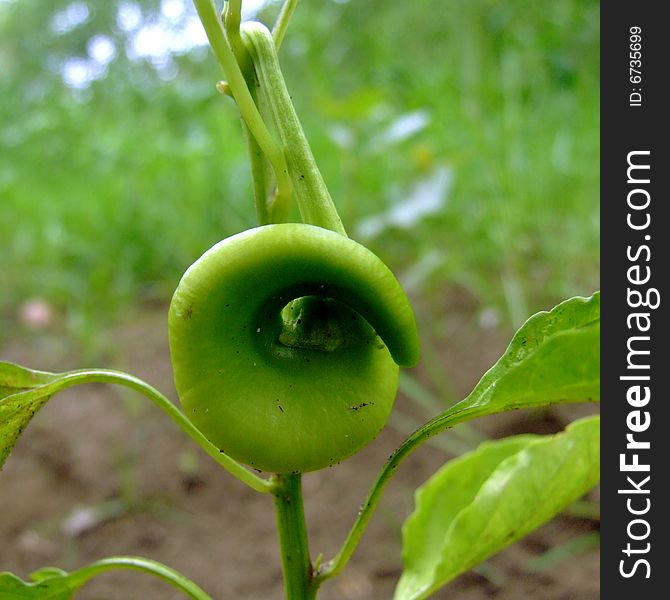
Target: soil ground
[97,448]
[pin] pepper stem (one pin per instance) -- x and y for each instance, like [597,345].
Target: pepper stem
[292,531]
[312,196]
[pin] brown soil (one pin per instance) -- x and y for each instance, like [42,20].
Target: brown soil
[94,444]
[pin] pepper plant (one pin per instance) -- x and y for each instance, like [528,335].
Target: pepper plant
[286,342]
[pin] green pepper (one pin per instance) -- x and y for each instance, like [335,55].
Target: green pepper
[285,343]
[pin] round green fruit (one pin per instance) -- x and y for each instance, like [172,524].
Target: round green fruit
[285,344]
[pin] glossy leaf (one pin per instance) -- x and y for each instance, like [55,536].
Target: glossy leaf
[484,501]
[553,358]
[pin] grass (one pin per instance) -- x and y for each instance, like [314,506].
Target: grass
[106,197]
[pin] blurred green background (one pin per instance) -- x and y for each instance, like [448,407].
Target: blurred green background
[460,142]
[459,139]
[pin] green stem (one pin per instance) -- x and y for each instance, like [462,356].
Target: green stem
[259,178]
[174,578]
[314,201]
[446,420]
[292,531]
[108,376]
[259,172]
[232,18]
[268,210]
[281,25]
[238,87]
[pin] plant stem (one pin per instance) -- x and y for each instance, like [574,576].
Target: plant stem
[73,378]
[259,178]
[260,175]
[293,545]
[446,420]
[232,18]
[174,578]
[281,25]
[238,87]
[314,201]
[268,209]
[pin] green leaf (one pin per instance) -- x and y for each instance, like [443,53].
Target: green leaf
[55,587]
[15,378]
[553,358]
[51,583]
[22,393]
[483,501]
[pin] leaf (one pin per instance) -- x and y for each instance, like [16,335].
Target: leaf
[15,378]
[25,391]
[553,358]
[57,586]
[46,573]
[482,502]
[22,393]
[51,583]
